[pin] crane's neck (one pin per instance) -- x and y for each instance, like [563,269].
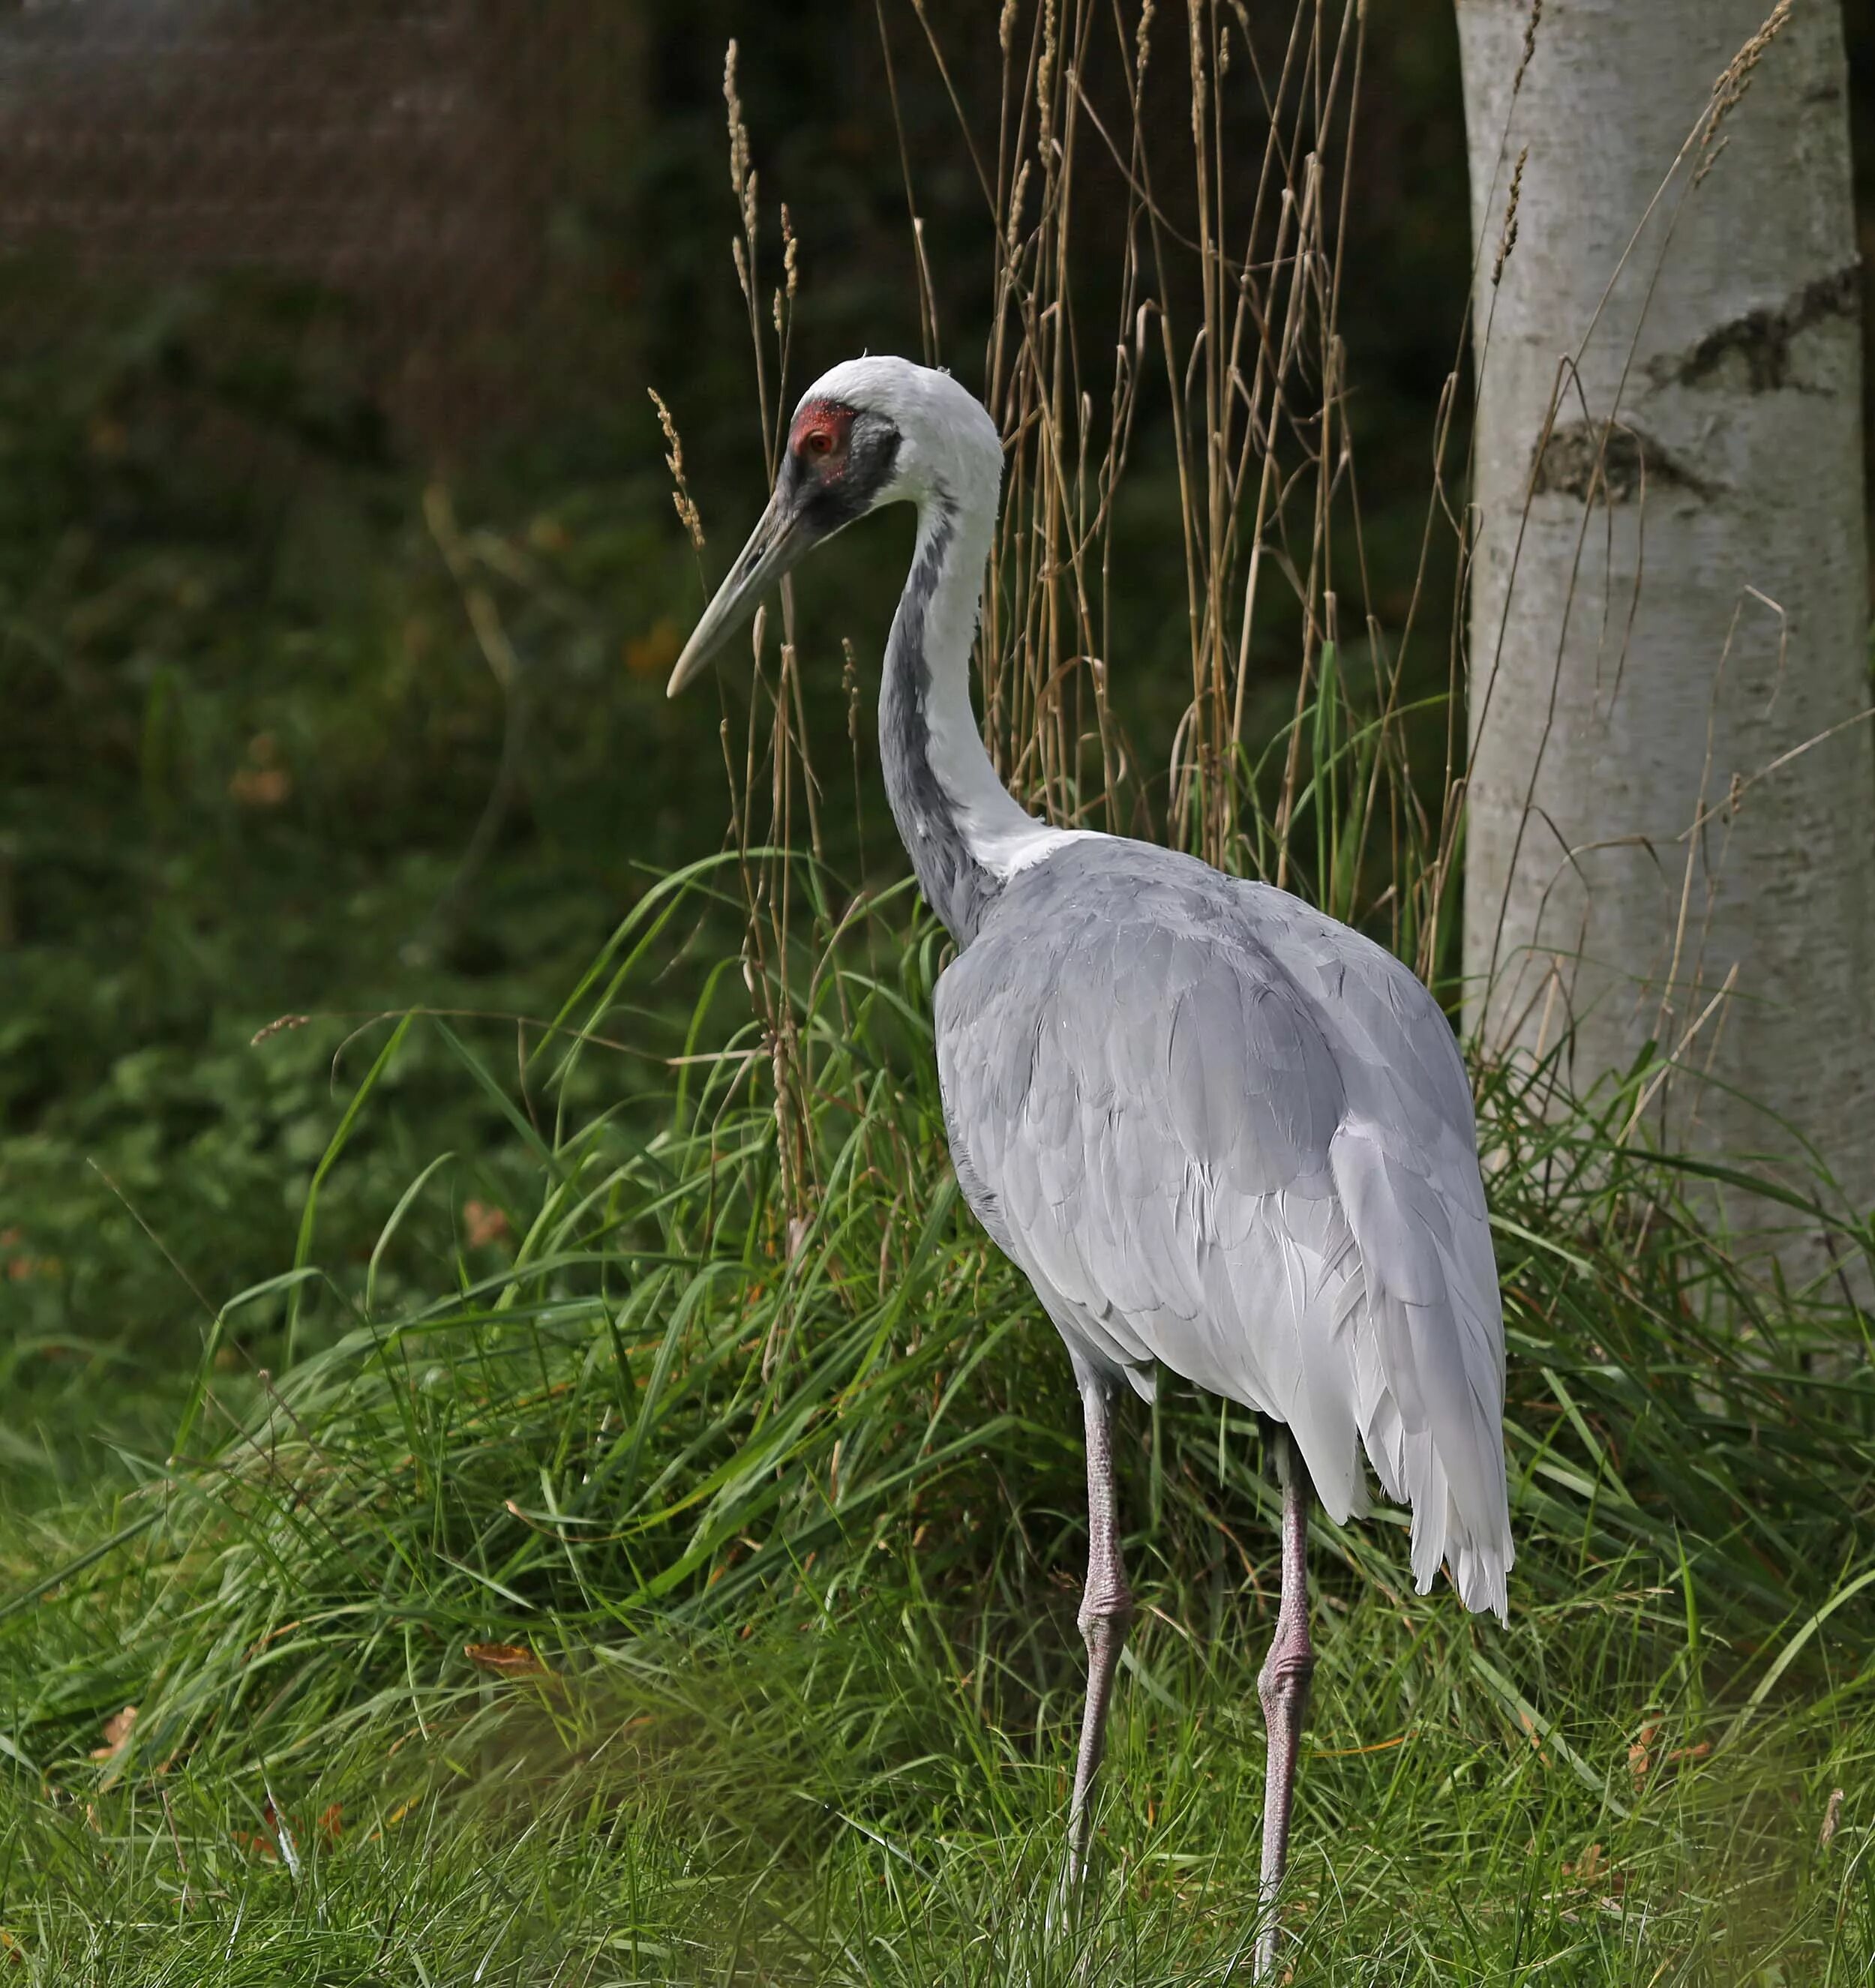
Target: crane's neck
[964,834]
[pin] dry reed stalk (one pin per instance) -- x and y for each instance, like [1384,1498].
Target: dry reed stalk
[1272,440]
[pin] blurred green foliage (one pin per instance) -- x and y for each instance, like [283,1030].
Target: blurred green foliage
[250,731]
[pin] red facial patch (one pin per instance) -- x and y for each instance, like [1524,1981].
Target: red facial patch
[820,431]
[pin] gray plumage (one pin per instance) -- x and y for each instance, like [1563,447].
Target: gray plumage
[1222,1133]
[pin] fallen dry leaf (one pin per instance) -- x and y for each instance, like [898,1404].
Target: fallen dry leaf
[263,782]
[21,1266]
[505,1660]
[653,653]
[391,1822]
[260,787]
[267,1843]
[1585,1871]
[117,1734]
[1640,1760]
[1833,1814]
[1535,1737]
[482,1224]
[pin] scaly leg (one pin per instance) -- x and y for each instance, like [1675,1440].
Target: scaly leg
[1283,1686]
[1106,1609]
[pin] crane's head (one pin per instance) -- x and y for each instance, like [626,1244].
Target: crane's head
[872,431]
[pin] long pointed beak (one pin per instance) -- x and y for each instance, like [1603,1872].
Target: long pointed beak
[777,543]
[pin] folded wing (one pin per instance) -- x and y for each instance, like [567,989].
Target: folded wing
[1222,1133]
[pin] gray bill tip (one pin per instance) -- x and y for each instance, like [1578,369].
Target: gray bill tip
[774,546]
[694,657]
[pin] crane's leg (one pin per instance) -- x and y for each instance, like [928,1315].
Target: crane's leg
[1283,1686]
[1106,1609]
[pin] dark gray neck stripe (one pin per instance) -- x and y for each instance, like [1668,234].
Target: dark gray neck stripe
[955,885]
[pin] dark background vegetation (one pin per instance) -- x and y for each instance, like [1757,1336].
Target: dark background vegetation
[325,332]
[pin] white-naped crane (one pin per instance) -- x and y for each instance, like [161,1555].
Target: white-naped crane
[1218,1131]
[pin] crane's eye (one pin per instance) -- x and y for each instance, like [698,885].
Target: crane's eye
[819,436]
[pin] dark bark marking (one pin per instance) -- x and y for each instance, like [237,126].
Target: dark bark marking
[1763,338]
[1613,463]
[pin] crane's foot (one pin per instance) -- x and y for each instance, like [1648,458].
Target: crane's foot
[1104,1615]
[1106,1611]
[1282,1687]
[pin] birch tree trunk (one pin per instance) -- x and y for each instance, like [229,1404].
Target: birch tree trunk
[1669,588]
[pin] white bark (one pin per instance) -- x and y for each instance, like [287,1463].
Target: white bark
[1621,676]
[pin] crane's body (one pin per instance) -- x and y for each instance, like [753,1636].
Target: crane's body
[1220,1133]
[1224,1135]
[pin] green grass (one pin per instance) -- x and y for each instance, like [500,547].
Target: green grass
[824,1803]
[792,1546]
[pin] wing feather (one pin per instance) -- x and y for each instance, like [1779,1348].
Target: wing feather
[1220,1132]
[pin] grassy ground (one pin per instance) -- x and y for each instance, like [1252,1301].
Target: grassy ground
[656,1606]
